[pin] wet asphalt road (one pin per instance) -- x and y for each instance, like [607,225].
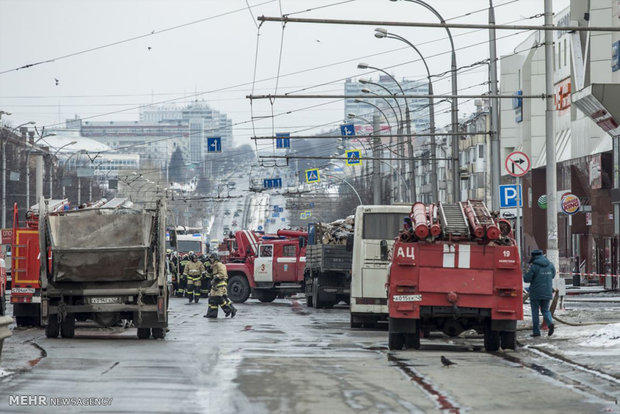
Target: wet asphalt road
[277,357]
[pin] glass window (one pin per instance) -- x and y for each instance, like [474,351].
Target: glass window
[266,250]
[480,151]
[189,246]
[382,226]
[289,251]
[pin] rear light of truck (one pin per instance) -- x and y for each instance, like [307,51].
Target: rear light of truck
[406,289]
[507,292]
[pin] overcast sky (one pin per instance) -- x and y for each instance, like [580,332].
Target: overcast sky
[216,58]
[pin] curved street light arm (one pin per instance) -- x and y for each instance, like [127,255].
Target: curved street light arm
[393,97]
[349,184]
[388,104]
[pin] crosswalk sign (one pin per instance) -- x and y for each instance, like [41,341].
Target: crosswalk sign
[354,157]
[347,130]
[313,176]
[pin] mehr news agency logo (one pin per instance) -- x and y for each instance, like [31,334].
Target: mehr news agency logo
[45,401]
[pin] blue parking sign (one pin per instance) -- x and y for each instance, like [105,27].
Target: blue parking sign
[508,196]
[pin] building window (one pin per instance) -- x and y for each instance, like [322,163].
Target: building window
[480,151]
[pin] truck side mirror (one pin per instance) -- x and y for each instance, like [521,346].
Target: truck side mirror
[384,250]
[302,242]
[349,246]
[247,251]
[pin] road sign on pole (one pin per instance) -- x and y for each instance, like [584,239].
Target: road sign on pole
[510,196]
[354,157]
[313,176]
[347,130]
[272,183]
[214,144]
[517,164]
[283,140]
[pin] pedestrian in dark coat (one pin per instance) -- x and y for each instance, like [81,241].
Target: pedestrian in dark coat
[540,276]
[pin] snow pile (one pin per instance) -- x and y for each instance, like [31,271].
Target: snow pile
[4,373]
[605,337]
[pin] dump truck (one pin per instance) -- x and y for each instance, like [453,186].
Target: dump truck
[454,267]
[327,275]
[106,265]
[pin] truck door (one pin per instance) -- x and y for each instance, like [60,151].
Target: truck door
[263,264]
[286,263]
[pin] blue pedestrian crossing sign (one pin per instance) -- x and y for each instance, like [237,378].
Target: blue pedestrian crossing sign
[354,157]
[283,140]
[313,176]
[508,195]
[347,130]
[214,144]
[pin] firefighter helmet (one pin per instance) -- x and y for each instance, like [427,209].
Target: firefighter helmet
[214,257]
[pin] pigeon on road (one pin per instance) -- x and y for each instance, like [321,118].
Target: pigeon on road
[446,362]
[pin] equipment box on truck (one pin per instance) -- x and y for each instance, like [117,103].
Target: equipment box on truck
[105,265]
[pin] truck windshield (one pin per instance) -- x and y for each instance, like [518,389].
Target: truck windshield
[382,226]
[189,246]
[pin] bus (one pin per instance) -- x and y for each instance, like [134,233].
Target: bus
[189,239]
[376,228]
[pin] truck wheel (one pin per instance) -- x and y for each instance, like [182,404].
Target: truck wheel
[52,328]
[396,340]
[316,299]
[309,301]
[159,333]
[355,322]
[238,289]
[412,340]
[144,333]
[491,340]
[2,305]
[266,296]
[508,339]
[67,327]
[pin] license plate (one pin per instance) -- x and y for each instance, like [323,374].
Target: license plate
[22,290]
[98,301]
[407,298]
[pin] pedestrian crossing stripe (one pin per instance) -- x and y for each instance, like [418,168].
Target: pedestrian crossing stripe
[313,176]
[354,157]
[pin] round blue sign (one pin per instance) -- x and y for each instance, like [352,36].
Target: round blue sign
[260,228]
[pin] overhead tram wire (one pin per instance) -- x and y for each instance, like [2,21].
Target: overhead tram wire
[195,95]
[130,39]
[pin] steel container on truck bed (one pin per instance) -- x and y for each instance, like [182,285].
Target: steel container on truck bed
[327,277]
[106,265]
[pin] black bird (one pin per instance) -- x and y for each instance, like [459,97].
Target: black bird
[446,362]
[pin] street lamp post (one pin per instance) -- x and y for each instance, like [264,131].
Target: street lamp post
[455,107]
[413,191]
[381,33]
[51,173]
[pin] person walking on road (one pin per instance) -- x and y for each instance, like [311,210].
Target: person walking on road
[219,289]
[540,277]
[193,272]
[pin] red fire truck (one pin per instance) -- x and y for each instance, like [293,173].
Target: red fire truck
[25,286]
[454,268]
[266,265]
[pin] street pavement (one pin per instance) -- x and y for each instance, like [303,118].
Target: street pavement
[284,357]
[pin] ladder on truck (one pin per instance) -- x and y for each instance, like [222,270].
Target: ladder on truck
[480,210]
[453,220]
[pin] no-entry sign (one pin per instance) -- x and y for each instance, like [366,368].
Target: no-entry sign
[517,164]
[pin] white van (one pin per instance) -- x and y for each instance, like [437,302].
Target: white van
[375,226]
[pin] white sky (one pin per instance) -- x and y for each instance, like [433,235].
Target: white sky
[216,57]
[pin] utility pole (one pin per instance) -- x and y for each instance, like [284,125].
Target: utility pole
[413,192]
[3,180]
[494,112]
[376,164]
[552,214]
[38,177]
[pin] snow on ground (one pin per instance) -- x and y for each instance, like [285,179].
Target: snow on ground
[607,336]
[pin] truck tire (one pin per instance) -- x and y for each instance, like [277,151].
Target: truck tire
[67,326]
[508,339]
[355,323]
[396,341]
[238,288]
[265,295]
[309,301]
[159,333]
[491,340]
[52,329]
[316,299]
[144,333]
[412,340]
[2,305]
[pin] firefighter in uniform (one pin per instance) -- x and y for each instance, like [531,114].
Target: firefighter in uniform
[193,272]
[219,289]
[182,282]
[205,285]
